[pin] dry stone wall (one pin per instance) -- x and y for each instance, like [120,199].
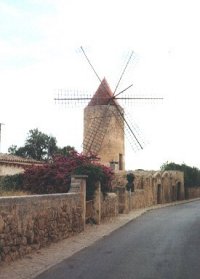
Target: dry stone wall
[109,206]
[102,207]
[193,192]
[28,223]
[138,199]
[151,188]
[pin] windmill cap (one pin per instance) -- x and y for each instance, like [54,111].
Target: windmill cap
[103,95]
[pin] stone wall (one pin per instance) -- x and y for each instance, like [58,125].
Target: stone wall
[151,188]
[192,192]
[109,206]
[30,222]
[139,200]
[102,207]
[168,186]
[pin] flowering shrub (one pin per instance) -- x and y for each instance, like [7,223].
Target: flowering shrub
[54,177]
[95,172]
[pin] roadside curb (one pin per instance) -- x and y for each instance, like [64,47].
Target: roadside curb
[36,263]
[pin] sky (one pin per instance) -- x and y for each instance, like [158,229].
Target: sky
[40,54]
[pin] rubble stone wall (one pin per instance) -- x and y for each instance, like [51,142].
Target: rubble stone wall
[150,188]
[192,192]
[109,206]
[138,199]
[30,222]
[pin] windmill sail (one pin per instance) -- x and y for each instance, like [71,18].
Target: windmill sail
[131,132]
[96,132]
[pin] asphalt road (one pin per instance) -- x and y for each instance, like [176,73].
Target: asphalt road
[162,244]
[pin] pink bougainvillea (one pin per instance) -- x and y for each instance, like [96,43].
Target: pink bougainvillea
[55,177]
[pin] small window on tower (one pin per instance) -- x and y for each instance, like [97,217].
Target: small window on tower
[114,165]
[120,162]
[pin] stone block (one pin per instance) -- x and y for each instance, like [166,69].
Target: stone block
[2,224]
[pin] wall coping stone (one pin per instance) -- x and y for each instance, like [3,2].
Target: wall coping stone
[33,197]
[78,176]
[111,195]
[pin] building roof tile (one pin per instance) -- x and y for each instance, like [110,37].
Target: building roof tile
[9,158]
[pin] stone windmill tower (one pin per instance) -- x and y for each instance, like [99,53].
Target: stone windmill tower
[103,132]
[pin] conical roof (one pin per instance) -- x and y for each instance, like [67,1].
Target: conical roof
[103,95]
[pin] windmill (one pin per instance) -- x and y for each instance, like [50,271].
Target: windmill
[106,123]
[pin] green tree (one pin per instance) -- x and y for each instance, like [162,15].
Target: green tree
[38,146]
[65,151]
[12,149]
[21,151]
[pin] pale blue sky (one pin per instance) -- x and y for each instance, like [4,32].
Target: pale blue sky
[40,52]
